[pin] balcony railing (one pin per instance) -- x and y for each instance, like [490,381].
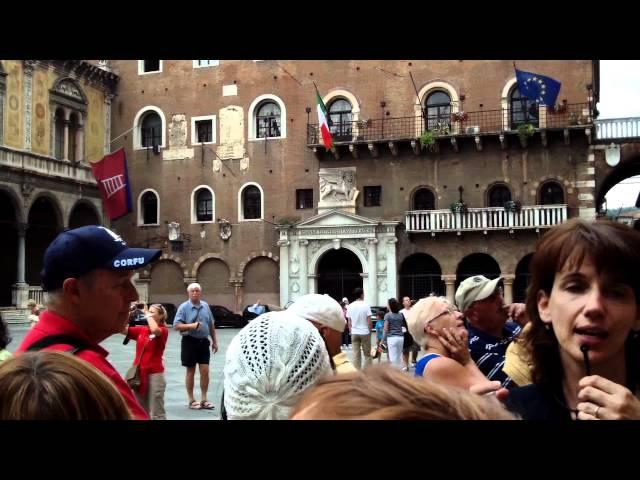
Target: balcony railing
[473,123]
[481,219]
[613,128]
[34,163]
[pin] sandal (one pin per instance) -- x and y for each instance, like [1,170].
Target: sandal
[207,405]
[194,405]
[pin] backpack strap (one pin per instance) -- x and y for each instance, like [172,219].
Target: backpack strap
[61,339]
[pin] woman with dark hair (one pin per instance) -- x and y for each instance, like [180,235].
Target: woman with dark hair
[5,339]
[583,301]
[392,334]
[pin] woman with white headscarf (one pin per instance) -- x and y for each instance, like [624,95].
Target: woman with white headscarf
[269,364]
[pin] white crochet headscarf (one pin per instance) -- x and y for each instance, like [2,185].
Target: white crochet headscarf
[271,361]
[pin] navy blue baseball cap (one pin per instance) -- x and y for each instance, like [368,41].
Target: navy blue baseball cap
[77,252]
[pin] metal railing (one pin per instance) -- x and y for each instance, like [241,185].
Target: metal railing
[489,218]
[617,128]
[471,123]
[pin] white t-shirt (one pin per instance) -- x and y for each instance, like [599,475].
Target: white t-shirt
[405,312]
[359,313]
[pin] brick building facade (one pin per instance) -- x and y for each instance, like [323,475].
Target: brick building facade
[231,180]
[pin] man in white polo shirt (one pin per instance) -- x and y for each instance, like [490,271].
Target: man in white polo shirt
[359,320]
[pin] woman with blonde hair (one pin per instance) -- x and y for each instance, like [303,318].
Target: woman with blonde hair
[151,341]
[584,305]
[385,393]
[438,327]
[53,385]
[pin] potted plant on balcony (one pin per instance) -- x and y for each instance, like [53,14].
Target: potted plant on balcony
[512,206]
[524,132]
[459,207]
[459,117]
[428,140]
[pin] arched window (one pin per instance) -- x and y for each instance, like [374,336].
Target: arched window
[523,110]
[498,195]
[69,107]
[73,137]
[438,110]
[340,118]
[149,207]
[424,199]
[551,193]
[59,134]
[150,130]
[268,120]
[204,205]
[251,203]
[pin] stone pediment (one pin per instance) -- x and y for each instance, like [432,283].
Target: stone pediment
[336,218]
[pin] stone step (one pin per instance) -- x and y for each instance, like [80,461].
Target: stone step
[15,315]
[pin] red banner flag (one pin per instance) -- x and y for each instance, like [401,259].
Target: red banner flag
[113,181]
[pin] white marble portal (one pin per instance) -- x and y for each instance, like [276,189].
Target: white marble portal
[303,244]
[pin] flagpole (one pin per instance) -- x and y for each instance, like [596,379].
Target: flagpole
[418,98]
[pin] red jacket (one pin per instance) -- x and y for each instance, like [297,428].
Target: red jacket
[151,361]
[52,324]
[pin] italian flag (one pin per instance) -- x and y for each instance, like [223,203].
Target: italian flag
[322,122]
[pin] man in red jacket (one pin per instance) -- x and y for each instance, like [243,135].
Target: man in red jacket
[88,276]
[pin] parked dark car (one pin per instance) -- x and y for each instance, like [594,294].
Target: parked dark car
[225,318]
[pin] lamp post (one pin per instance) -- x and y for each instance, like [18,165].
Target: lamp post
[382,105]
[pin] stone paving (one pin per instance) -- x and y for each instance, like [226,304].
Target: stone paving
[121,356]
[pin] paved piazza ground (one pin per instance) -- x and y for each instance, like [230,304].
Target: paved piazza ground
[121,356]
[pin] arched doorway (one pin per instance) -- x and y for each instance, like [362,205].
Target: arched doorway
[83,214]
[339,274]
[523,276]
[420,276]
[167,283]
[477,264]
[43,227]
[9,246]
[261,282]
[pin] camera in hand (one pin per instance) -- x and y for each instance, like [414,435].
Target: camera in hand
[136,317]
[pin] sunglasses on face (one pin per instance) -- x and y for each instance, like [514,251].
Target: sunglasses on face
[451,309]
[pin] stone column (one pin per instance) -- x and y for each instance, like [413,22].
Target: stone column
[79,153]
[283,243]
[22,231]
[28,100]
[238,290]
[450,283]
[142,286]
[108,97]
[392,267]
[372,294]
[507,281]
[65,154]
[312,283]
[20,290]
[304,267]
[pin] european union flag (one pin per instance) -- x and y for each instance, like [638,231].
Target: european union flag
[540,89]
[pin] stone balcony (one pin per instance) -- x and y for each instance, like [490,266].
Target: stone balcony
[484,219]
[33,163]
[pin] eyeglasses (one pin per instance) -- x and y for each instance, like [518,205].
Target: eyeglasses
[449,311]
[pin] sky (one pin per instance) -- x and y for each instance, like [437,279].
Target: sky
[620,98]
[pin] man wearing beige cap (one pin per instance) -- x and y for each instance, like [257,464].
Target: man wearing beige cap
[327,316]
[490,332]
